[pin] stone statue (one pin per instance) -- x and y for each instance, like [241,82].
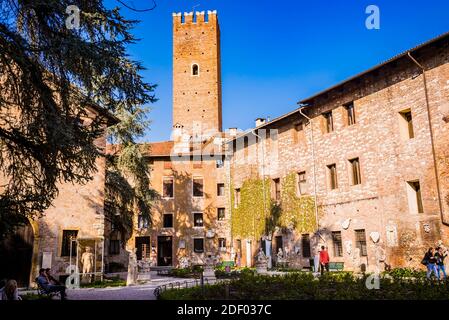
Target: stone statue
[184,262]
[132,268]
[261,262]
[87,260]
[261,257]
[280,255]
[209,271]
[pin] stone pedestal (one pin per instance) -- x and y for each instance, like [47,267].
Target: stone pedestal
[262,268]
[209,272]
[144,274]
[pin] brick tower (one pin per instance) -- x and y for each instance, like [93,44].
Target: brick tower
[196,73]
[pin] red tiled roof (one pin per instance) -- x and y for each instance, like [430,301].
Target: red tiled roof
[162,148]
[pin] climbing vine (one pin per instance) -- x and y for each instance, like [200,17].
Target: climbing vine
[258,215]
[298,212]
[249,217]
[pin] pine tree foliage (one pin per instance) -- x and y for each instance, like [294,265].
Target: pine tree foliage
[51,77]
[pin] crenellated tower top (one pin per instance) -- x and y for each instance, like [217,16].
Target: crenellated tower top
[196,72]
[197,18]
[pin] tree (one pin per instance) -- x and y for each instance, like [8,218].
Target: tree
[51,77]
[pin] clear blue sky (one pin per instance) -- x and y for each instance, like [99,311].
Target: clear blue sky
[275,53]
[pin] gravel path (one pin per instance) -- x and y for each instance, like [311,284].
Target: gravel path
[138,292]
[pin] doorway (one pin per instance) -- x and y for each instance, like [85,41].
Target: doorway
[249,260]
[164,251]
[16,252]
[142,247]
[279,244]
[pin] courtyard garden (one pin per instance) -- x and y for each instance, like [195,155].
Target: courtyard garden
[398,284]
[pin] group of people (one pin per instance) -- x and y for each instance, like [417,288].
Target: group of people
[47,282]
[10,291]
[434,261]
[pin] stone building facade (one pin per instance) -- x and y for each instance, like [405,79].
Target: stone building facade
[380,156]
[77,213]
[371,152]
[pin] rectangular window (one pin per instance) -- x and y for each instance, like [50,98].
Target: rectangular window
[222,243]
[360,242]
[220,189]
[167,188]
[406,124]
[277,189]
[221,214]
[198,219]
[219,163]
[332,176]
[350,112]
[142,222]
[338,245]
[329,121]
[355,170]
[168,220]
[237,197]
[305,241]
[198,187]
[414,197]
[198,245]
[67,243]
[114,247]
[302,183]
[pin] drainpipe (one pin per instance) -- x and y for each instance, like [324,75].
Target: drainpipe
[314,169]
[431,136]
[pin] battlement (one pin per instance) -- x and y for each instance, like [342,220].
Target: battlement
[197,18]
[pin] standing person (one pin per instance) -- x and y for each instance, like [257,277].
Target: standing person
[324,259]
[47,286]
[10,291]
[430,261]
[440,255]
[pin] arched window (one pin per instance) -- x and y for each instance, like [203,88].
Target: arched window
[195,69]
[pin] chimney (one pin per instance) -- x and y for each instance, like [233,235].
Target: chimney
[260,121]
[232,132]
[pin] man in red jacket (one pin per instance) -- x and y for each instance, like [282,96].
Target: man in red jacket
[324,259]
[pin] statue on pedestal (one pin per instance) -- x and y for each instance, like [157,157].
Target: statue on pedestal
[261,262]
[87,261]
[209,271]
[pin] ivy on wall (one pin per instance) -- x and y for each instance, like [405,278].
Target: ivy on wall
[249,217]
[252,219]
[298,212]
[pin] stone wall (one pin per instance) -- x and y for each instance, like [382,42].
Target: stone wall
[387,161]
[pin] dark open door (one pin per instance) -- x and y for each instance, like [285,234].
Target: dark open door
[164,251]
[16,252]
[142,247]
[279,244]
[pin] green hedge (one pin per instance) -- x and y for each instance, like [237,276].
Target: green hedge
[303,286]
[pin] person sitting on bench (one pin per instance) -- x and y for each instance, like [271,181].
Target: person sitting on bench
[43,281]
[50,278]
